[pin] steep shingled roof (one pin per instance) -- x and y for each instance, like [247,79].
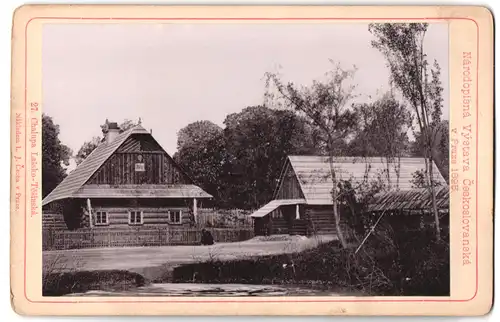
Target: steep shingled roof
[415,199]
[313,173]
[77,178]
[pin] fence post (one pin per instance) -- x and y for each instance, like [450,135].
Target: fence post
[159,236]
[109,238]
[51,239]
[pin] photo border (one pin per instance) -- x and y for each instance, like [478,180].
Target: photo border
[194,300]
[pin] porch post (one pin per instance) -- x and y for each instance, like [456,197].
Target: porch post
[195,210]
[297,211]
[89,207]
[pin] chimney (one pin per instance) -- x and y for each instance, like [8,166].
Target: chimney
[110,130]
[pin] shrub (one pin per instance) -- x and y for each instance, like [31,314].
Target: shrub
[82,281]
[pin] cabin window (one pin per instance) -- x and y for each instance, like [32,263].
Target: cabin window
[135,218]
[101,218]
[175,216]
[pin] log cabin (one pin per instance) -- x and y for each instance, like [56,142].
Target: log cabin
[302,201]
[128,180]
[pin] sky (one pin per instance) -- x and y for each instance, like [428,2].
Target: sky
[170,75]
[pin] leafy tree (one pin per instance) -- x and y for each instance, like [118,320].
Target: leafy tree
[440,149]
[89,146]
[257,141]
[54,154]
[325,105]
[382,132]
[201,153]
[402,44]
[241,163]
[197,134]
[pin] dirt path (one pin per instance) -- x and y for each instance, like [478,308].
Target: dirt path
[140,258]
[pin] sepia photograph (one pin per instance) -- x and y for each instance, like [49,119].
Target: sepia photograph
[245,159]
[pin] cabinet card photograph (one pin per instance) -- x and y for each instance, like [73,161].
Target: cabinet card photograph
[252,160]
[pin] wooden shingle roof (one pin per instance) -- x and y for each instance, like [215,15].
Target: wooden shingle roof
[141,191]
[72,184]
[313,173]
[269,207]
[86,169]
[415,199]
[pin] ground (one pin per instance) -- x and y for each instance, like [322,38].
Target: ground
[152,261]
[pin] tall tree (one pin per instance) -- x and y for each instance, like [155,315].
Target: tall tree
[241,163]
[89,146]
[257,141]
[201,153]
[383,132]
[54,155]
[402,44]
[326,105]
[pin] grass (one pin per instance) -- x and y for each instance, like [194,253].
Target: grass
[155,263]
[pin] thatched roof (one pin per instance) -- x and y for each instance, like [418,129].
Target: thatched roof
[414,199]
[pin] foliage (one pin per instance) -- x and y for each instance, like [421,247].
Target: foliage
[257,142]
[54,155]
[241,163]
[418,180]
[89,146]
[201,154]
[382,132]
[382,129]
[354,197]
[197,134]
[58,283]
[325,105]
[440,149]
[86,149]
[402,44]
[227,218]
[393,262]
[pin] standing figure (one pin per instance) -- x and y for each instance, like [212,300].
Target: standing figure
[206,237]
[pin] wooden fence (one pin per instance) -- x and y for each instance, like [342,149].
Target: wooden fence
[53,239]
[224,218]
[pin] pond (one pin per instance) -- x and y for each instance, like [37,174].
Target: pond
[188,289]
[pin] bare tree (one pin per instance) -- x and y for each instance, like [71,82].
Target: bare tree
[403,47]
[325,105]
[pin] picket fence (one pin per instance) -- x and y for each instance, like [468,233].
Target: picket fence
[55,239]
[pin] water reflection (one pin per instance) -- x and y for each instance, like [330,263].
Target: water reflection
[186,289]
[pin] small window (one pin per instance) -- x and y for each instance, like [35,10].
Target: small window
[175,216]
[101,218]
[135,218]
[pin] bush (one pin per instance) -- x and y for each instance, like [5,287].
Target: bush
[58,284]
[403,263]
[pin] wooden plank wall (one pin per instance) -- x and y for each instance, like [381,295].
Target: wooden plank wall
[152,217]
[289,187]
[120,167]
